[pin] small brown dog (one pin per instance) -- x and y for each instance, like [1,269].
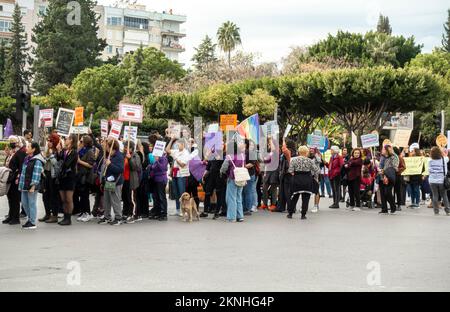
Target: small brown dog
[189,208]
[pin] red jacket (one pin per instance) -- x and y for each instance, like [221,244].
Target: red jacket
[335,166]
[354,168]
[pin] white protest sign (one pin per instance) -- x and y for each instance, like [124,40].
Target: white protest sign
[401,138]
[213,128]
[158,149]
[286,132]
[130,133]
[116,129]
[79,130]
[354,141]
[370,140]
[46,115]
[130,113]
[104,128]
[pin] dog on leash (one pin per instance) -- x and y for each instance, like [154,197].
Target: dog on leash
[189,208]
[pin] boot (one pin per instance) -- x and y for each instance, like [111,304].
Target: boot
[45,218]
[67,220]
[52,219]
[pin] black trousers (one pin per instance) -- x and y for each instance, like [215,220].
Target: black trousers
[159,200]
[284,193]
[81,203]
[387,196]
[142,199]
[259,192]
[293,203]
[398,189]
[126,199]
[336,188]
[192,189]
[50,197]
[353,192]
[220,205]
[14,201]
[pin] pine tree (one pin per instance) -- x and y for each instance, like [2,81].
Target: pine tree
[205,54]
[446,35]
[16,74]
[66,43]
[383,25]
[2,62]
[140,85]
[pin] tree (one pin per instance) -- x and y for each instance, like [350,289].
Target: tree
[66,43]
[140,84]
[60,95]
[100,87]
[261,102]
[16,74]
[384,26]
[2,63]
[446,35]
[382,49]
[228,36]
[205,54]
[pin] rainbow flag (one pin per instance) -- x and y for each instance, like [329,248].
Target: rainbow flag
[249,128]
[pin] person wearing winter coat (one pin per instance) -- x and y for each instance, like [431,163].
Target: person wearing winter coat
[132,179]
[334,173]
[29,182]
[288,151]
[14,162]
[354,169]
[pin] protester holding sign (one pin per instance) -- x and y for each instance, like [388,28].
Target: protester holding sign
[67,176]
[415,179]
[438,173]
[131,176]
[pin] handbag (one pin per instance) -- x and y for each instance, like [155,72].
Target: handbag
[110,186]
[446,177]
[241,175]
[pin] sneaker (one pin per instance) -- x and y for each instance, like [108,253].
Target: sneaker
[22,215]
[162,219]
[240,220]
[129,220]
[115,222]
[14,222]
[334,207]
[349,207]
[254,209]
[393,212]
[204,215]
[315,209]
[303,217]
[103,220]
[137,218]
[289,216]
[6,221]
[86,218]
[247,213]
[383,213]
[356,209]
[231,220]
[44,218]
[80,216]
[29,226]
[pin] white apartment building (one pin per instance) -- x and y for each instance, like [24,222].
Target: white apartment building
[124,26]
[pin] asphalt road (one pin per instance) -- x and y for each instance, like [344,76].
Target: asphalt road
[331,251]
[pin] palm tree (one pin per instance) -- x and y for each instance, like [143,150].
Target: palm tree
[228,37]
[382,49]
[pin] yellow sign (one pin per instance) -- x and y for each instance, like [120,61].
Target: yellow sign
[327,156]
[79,119]
[426,163]
[414,166]
[228,121]
[441,140]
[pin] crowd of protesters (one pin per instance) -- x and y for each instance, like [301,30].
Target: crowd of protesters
[116,182]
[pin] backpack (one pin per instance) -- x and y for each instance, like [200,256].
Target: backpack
[4,176]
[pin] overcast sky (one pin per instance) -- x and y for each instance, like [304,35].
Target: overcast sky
[271,27]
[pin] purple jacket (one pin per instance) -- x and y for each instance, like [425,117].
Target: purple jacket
[159,170]
[227,166]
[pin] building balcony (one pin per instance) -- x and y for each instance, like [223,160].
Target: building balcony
[173,47]
[167,16]
[180,34]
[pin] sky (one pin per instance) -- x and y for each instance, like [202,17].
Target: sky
[270,28]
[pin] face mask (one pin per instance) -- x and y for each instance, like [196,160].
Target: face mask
[12,145]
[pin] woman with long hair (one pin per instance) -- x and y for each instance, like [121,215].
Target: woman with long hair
[438,172]
[67,177]
[354,168]
[388,175]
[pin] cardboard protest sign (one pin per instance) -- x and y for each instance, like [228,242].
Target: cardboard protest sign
[46,115]
[354,141]
[116,129]
[370,140]
[64,121]
[316,141]
[104,128]
[228,122]
[130,133]
[401,138]
[131,113]
[159,148]
[79,118]
[414,165]
[213,128]
[286,132]
[441,141]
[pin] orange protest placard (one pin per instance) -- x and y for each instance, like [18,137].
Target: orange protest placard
[79,119]
[228,121]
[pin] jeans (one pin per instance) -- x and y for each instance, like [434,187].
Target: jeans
[415,194]
[234,201]
[325,182]
[179,187]
[439,191]
[249,195]
[29,205]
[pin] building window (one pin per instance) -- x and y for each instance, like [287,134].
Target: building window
[109,49]
[1,8]
[41,10]
[114,21]
[5,26]
[134,22]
